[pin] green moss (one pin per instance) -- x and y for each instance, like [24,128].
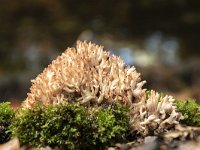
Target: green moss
[6,115]
[190,110]
[110,125]
[71,126]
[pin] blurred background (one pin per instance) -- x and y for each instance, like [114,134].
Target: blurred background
[160,37]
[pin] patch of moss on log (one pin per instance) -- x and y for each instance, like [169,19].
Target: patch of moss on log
[6,115]
[72,126]
[190,110]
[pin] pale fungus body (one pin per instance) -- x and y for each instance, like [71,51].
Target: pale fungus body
[90,75]
[85,74]
[154,114]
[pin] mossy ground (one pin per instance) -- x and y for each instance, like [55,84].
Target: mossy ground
[71,126]
[190,110]
[75,126]
[6,115]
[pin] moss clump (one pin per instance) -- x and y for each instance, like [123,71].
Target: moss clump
[71,126]
[6,115]
[110,125]
[190,110]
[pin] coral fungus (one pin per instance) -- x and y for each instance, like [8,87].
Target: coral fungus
[90,75]
[87,73]
[154,114]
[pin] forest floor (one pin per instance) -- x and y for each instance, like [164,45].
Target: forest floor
[182,138]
